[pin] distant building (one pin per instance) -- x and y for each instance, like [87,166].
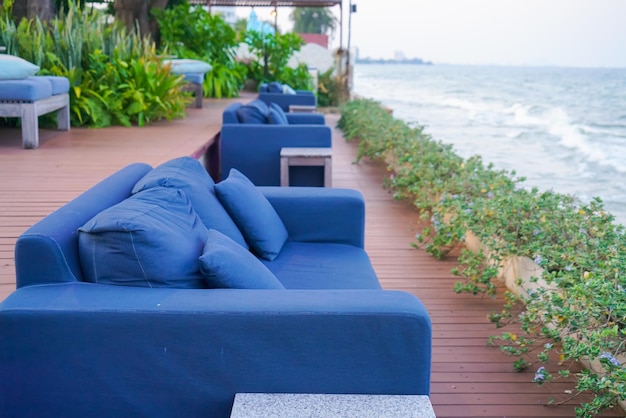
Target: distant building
[315,38]
[399,56]
[228,13]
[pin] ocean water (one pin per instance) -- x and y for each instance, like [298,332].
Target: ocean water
[564,129]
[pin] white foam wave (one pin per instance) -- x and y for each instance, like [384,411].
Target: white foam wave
[556,122]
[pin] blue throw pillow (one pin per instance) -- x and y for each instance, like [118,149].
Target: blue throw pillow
[225,265]
[15,68]
[151,239]
[277,115]
[275,87]
[254,112]
[188,175]
[253,213]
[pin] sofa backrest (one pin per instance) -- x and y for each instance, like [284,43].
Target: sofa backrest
[229,116]
[54,239]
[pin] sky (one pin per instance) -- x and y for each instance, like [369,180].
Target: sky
[579,33]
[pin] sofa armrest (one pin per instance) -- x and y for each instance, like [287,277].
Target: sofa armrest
[317,214]
[306,118]
[255,149]
[123,348]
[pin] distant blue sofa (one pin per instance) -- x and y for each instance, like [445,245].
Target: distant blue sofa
[251,139]
[75,345]
[284,96]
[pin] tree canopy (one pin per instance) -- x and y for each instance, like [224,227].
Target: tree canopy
[313,20]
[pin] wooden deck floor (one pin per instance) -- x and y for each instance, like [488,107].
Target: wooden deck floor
[469,379]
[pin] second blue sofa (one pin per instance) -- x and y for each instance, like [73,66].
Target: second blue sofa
[251,143]
[284,96]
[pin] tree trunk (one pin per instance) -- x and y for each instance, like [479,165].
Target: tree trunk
[136,13]
[44,9]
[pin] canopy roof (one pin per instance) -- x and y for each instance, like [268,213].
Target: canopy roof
[269,3]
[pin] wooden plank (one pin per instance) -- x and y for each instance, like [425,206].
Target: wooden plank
[469,378]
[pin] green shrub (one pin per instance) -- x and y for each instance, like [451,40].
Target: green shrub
[272,52]
[193,32]
[580,313]
[115,76]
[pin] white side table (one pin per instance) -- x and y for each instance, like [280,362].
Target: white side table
[302,109]
[300,405]
[321,157]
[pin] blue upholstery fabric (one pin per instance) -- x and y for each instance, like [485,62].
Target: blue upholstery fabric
[275,87]
[59,85]
[320,214]
[28,89]
[311,265]
[254,150]
[16,68]
[83,350]
[224,264]
[253,214]
[254,112]
[188,175]
[277,115]
[151,239]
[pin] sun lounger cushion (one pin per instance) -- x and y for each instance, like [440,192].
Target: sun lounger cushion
[188,66]
[188,174]
[225,264]
[60,85]
[196,78]
[15,68]
[152,239]
[253,213]
[27,90]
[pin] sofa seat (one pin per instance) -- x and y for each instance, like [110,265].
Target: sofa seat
[310,265]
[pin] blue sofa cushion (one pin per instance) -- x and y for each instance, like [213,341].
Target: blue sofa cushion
[188,175]
[253,213]
[16,68]
[29,89]
[151,239]
[277,115]
[311,265]
[224,264]
[274,87]
[254,112]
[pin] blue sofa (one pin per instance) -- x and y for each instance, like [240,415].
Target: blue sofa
[251,140]
[77,346]
[284,96]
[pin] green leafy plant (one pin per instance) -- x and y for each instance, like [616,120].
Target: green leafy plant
[192,32]
[571,307]
[115,76]
[272,52]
